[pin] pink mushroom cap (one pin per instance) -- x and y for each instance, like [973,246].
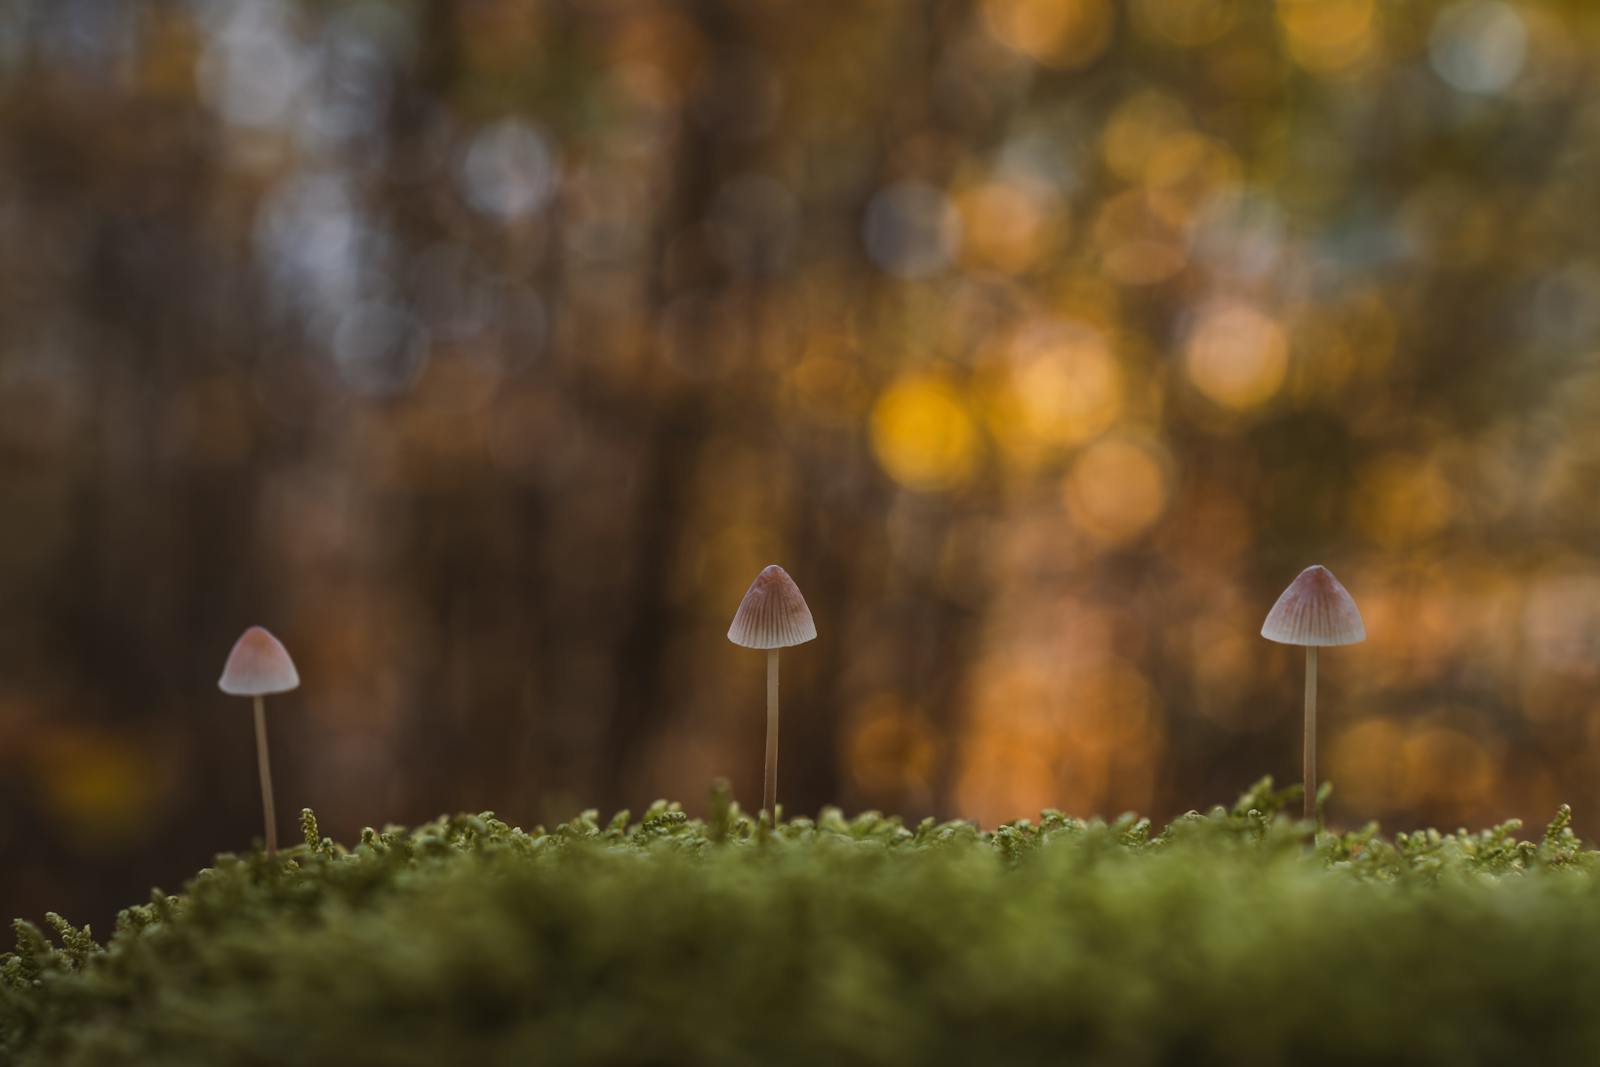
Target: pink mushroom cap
[258,665]
[1315,610]
[772,614]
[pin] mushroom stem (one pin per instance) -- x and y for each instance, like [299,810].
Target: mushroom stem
[769,792]
[264,764]
[1310,768]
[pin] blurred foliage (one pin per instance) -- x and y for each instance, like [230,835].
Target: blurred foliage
[485,349]
[666,939]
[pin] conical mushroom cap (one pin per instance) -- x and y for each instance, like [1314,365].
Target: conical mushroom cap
[772,614]
[257,666]
[1314,610]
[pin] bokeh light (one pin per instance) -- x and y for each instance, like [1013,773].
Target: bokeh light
[923,433]
[1008,225]
[507,170]
[1478,46]
[1118,486]
[1058,33]
[1235,355]
[912,229]
[1329,36]
[1058,384]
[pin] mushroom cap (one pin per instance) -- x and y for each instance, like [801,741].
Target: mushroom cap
[257,666]
[1314,610]
[772,614]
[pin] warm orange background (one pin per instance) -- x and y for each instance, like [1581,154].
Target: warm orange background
[484,351]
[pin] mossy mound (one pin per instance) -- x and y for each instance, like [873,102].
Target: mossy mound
[1229,937]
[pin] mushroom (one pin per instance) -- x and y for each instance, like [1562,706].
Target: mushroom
[1315,611]
[773,615]
[259,666]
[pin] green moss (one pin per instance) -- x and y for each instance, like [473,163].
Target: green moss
[1228,937]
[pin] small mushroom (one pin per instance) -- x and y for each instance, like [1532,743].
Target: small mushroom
[1315,611]
[772,616]
[259,666]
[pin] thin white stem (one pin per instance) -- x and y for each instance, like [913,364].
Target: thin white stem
[769,792]
[264,765]
[1310,768]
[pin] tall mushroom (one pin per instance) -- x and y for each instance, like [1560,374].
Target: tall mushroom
[1315,612]
[772,616]
[259,666]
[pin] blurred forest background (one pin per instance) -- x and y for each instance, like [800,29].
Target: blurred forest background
[484,350]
